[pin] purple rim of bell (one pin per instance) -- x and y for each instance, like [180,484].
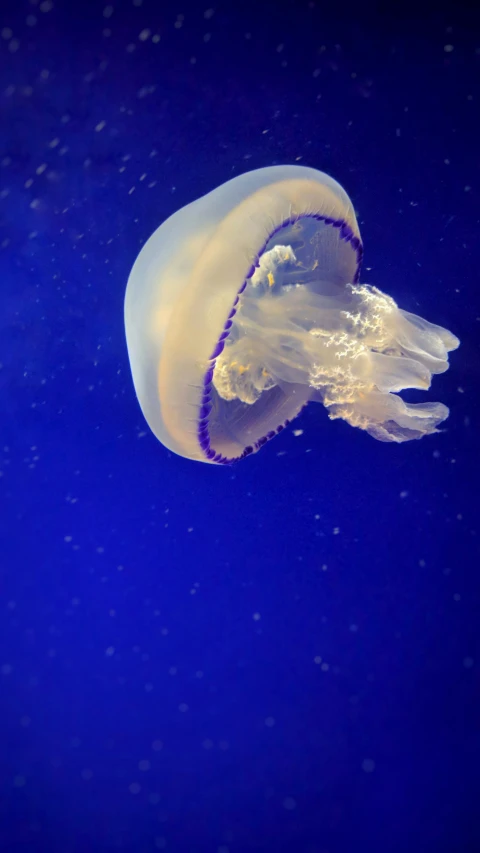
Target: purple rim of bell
[203,434]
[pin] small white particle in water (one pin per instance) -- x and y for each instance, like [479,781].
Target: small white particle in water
[110,651]
[208,13]
[144,765]
[270,721]
[317,659]
[256,617]
[467,188]
[336,531]
[183,707]
[145,90]
[46,6]
[100,126]
[404,494]
[468,662]
[448,48]
[156,38]
[324,567]
[325,667]
[368,765]
[289,803]
[41,169]
[108,12]
[354,628]
[297,432]
[144,35]
[134,788]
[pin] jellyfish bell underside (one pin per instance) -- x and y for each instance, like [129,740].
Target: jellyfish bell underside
[246,304]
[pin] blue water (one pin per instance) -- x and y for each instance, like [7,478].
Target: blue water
[281,655]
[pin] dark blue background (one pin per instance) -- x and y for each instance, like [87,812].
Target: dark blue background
[282,655]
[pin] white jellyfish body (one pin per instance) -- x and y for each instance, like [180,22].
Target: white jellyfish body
[245,305]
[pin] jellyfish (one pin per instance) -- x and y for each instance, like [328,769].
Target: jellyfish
[247,304]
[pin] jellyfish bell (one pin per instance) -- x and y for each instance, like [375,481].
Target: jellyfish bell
[246,304]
